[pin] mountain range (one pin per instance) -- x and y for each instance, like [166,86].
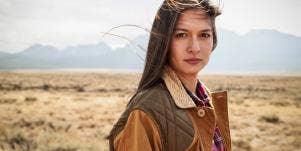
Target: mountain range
[258,51]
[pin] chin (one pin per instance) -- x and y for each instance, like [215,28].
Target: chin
[187,69]
[192,70]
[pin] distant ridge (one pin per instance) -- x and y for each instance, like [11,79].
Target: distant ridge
[256,51]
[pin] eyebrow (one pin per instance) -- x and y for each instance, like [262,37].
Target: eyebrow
[204,30]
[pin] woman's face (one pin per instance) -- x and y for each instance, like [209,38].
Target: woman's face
[191,42]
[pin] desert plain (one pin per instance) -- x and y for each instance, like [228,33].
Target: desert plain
[74,111]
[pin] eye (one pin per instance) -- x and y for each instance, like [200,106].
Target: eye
[205,35]
[181,35]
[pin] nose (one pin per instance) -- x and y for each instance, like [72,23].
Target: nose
[194,45]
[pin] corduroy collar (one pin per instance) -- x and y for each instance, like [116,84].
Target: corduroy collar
[177,90]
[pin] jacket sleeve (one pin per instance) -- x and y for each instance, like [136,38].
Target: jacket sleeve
[139,133]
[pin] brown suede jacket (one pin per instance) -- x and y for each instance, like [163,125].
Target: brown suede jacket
[141,129]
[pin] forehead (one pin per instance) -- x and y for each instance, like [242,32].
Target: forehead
[194,17]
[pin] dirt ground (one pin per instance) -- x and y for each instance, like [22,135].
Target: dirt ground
[74,111]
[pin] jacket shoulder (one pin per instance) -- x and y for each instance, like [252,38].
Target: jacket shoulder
[158,103]
[151,97]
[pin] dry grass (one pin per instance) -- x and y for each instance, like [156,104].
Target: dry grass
[75,111]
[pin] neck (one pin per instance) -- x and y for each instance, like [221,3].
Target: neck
[190,81]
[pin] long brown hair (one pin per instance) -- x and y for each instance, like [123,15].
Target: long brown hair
[161,33]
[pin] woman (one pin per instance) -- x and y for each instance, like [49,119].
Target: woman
[172,110]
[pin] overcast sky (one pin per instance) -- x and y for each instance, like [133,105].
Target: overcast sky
[64,23]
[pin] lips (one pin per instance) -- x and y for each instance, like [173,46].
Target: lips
[193,61]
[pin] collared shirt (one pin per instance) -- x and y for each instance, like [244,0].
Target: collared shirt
[202,99]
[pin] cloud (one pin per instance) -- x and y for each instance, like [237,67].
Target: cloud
[67,22]
[245,15]
[71,22]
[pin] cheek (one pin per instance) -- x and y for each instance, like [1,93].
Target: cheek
[207,48]
[211,45]
[176,52]
[178,47]
[174,57]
